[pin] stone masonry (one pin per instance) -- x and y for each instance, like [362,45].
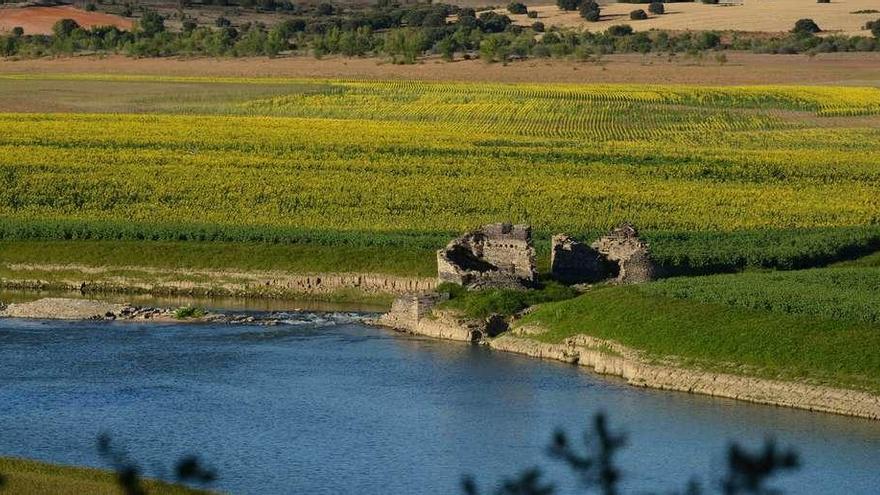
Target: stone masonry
[620,254]
[623,246]
[573,262]
[496,255]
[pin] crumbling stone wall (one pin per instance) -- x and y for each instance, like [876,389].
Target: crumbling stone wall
[620,255]
[573,262]
[496,255]
[408,309]
[632,255]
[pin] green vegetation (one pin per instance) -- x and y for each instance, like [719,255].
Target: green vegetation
[846,294]
[403,34]
[719,337]
[26,477]
[243,256]
[504,302]
[717,179]
[188,312]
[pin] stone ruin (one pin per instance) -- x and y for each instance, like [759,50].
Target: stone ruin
[501,255]
[621,254]
[497,255]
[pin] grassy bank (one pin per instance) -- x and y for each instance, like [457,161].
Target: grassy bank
[227,256]
[26,477]
[707,323]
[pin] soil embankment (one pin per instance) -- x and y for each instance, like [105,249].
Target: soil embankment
[155,281]
[610,358]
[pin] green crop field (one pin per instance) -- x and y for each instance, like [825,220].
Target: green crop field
[718,178]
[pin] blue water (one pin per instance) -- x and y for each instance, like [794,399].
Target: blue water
[327,405]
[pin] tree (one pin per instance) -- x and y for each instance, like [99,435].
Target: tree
[590,10]
[806,26]
[538,27]
[638,15]
[657,8]
[875,28]
[17,32]
[493,22]
[568,4]
[63,27]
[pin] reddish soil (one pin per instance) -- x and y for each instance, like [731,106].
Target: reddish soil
[861,69]
[39,20]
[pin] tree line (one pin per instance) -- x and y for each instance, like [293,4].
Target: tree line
[406,33]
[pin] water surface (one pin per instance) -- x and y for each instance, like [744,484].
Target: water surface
[326,405]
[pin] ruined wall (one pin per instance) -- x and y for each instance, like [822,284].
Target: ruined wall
[620,255]
[496,255]
[574,262]
[509,247]
[623,246]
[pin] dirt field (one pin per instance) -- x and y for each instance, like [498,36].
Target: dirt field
[753,15]
[39,20]
[861,69]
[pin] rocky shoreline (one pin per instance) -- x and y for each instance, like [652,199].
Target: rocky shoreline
[58,308]
[610,358]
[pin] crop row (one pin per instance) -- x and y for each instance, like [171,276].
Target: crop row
[354,159]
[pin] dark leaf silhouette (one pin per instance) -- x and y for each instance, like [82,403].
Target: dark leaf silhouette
[749,473]
[190,468]
[128,474]
[595,467]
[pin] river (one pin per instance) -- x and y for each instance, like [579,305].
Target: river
[323,404]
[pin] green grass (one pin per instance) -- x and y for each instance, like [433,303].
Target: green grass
[505,302]
[720,337]
[26,477]
[842,293]
[293,258]
[187,312]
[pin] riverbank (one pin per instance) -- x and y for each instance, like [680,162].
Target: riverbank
[28,477]
[361,274]
[638,368]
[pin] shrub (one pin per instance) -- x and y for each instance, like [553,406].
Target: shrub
[186,312]
[590,10]
[90,7]
[657,8]
[823,1]
[151,23]
[222,22]
[568,4]
[517,8]
[189,25]
[806,26]
[532,14]
[326,9]
[17,32]
[638,15]
[620,30]
[710,2]
[708,39]
[538,27]
[874,27]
